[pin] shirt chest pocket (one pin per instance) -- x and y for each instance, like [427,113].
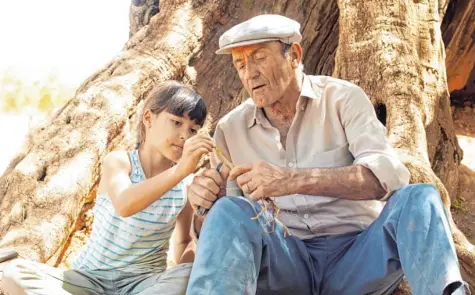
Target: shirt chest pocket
[338,157]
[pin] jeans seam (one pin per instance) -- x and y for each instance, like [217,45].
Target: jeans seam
[400,243]
[417,266]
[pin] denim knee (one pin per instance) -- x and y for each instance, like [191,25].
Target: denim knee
[422,196]
[231,208]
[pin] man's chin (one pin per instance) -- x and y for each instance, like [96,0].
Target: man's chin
[262,103]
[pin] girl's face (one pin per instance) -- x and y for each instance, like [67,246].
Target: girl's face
[167,133]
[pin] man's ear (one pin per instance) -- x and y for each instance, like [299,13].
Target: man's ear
[296,54]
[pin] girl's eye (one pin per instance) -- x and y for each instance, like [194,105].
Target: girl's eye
[193,131]
[177,123]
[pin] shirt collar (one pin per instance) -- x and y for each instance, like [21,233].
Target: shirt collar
[257,117]
[307,91]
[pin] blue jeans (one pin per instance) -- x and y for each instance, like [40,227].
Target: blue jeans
[237,255]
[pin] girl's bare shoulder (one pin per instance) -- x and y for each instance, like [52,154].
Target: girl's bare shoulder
[117,160]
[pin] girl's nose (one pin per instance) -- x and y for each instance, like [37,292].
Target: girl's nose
[185,134]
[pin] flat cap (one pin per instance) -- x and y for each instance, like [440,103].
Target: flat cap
[262,28]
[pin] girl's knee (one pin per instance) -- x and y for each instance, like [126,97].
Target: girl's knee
[10,282]
[14,268]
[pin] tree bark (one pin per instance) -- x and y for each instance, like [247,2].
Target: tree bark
[458,30]
[44,188]
[396,54]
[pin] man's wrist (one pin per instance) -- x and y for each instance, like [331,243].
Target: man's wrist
[298,180]
[290,181]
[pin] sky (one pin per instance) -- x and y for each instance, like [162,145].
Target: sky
[70,38]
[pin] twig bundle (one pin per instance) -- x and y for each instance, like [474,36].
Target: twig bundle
[267,202]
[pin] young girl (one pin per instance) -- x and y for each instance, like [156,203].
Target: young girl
[141,199]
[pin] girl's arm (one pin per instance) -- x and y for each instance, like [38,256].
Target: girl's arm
[182,237]
[128,198]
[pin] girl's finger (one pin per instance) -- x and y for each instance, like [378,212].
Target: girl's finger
[200,151]
[199,145]
[207,140]
[202,136]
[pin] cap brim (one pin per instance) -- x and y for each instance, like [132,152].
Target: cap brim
[228,49]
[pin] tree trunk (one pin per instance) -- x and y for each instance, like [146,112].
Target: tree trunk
[396,54]
[43,190]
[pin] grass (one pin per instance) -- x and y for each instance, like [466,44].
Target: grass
[18,96]
[459,204]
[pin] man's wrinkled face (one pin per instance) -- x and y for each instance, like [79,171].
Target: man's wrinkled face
[264,71]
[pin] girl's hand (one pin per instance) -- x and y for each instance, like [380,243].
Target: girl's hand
[195,147]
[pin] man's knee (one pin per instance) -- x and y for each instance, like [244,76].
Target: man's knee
[425,193]
[423,196]
[230,213]
[234,206]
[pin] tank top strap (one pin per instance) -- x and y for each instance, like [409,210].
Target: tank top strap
[136,173]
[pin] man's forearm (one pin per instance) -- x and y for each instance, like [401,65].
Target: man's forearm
[350,182]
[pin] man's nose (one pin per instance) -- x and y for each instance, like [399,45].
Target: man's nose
[251,71]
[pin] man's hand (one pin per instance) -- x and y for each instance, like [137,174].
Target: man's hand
[206,187]
[261,179]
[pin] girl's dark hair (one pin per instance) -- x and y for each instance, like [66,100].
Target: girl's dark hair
[175,98]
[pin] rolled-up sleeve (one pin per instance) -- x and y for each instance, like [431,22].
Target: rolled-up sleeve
[368,142]
[232,189]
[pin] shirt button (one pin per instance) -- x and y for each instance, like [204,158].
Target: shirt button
[291,164]
[305,216]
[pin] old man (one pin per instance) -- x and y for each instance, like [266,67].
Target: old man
[313,145]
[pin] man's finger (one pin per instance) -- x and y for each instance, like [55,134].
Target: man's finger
[238,170]
[200,196]
[204,193]
[216,176]
[256,195]
[244,178]
[207,182]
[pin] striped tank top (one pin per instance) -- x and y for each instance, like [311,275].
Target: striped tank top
[138,242]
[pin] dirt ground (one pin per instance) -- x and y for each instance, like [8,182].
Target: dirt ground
[463,208]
